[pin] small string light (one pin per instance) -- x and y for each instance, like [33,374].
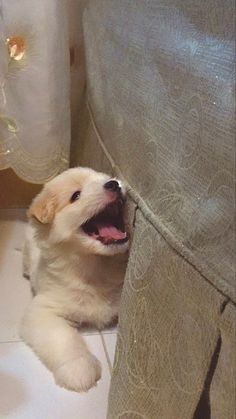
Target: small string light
[16,47]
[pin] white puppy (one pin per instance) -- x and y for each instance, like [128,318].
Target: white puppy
[75,256]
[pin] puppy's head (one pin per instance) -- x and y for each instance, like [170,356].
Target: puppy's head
[85,208]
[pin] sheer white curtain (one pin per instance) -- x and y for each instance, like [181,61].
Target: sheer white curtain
[35,85]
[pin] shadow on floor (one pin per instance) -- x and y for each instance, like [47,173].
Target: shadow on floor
[12,394]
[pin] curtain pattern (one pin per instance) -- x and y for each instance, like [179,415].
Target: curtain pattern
[34,88]
[160,77]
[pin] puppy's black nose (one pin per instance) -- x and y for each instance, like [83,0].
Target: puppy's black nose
[112,185]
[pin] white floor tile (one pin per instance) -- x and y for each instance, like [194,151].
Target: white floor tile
[12,228]
[14,289]
[28,390]
[110,344]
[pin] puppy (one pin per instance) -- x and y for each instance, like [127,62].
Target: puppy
[75,255]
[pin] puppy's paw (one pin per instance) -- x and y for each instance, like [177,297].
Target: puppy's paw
[79,374]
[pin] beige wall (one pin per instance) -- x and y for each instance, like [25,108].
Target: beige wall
[14,192]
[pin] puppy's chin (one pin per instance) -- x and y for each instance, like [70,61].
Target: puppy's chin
[90,245]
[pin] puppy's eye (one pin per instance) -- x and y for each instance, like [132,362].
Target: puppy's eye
[75,196]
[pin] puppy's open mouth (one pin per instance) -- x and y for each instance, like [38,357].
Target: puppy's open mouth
[108,225]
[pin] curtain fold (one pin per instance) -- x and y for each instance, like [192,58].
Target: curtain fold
[35,114]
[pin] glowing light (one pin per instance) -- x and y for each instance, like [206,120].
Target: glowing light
[16,47]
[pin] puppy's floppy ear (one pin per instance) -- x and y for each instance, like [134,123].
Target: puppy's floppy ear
[43,207]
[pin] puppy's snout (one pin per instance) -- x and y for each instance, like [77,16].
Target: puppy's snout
[112,185]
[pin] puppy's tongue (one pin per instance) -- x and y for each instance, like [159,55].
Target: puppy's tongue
[111,232]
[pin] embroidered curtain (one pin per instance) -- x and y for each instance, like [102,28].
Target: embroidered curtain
[35,84]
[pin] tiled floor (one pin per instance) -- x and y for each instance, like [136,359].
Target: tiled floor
[27,389]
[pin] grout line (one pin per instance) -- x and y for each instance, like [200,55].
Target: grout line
[106,353]
[83,333]
[88,333]
[109,332]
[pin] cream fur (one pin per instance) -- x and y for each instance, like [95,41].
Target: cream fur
[76,279]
